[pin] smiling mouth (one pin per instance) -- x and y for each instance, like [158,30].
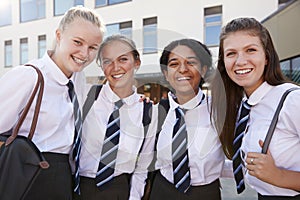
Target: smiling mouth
[183,78]
[243,71]
[117,76]
[79,61]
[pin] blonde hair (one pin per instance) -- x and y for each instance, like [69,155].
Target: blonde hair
[83,13]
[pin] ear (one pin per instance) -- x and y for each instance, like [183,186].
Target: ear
[203,71]
[165,72]
[58,36]
[137,64]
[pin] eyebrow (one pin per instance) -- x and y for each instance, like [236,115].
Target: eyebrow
[190,57]
[247,46]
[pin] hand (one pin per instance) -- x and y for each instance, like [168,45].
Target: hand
[262,166]
[143,97]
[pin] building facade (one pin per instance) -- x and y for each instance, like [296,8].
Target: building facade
[27,29]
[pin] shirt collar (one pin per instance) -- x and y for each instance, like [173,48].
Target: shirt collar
[113,97]
[259,93]
[54,70]
[191,104]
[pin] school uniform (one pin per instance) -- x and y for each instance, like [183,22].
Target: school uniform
[285,143]
[130,173]
[55,128]
[206,157]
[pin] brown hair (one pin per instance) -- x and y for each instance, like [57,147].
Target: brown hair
[226,100]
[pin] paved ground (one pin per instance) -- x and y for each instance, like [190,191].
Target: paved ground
[229,191]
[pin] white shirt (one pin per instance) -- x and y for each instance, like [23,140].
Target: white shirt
[55,127]
[206,156]
[285,143]
[131,138]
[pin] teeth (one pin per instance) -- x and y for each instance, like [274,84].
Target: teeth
[243,71]
[79,61]
[118,75]
[183,78]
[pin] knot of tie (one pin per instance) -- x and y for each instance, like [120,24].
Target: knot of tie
[118,104]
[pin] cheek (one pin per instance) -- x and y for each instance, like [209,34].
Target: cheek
[106,71]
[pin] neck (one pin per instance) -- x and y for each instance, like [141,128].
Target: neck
[123,92]
[182,98]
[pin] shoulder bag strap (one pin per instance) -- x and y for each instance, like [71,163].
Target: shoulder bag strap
[91,97]
[274,120]
[39,86]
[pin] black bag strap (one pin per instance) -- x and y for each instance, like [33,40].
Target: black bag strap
[147,113]
[163,108]
[91,97]
[39,87]
[275,120]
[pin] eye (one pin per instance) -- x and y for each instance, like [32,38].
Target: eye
[230,54]
[106,62]
[192,62]
[77,42]
[173,64]
[93,48]
[123,59]
[251,50]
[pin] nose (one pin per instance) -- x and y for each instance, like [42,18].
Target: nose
[115,64]
[241,59]
[182,67]
[84,51]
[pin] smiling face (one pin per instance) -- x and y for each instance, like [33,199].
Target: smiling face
[119,64]
[245,60]
[184,72]
[76,46]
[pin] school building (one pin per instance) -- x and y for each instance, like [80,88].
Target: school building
[27,29]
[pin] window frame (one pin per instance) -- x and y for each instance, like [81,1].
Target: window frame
[209,13]
[150,27]
[8,53]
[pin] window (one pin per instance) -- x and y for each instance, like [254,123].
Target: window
[8,53]
[296,69]
[60,7]
[41,45]
[150,35]
[291,68]
[212,25]
[23,50]
[286,68]
[6,13]
[32,10]
[108,2]
[124,28]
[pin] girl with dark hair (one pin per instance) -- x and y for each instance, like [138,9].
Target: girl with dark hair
[189,154]
[249,69]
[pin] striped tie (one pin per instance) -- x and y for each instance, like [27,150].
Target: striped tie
[110,147]
[180,158]
[77,136]
[239,133]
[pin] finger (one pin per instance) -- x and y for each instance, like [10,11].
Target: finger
[250,160]
[261,143]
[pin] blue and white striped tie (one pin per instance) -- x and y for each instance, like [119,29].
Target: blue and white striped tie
[110,147]
[180,157]
[237,142]
[77,136]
